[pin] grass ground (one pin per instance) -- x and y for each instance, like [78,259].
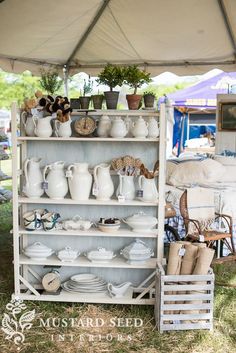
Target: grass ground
[145,339]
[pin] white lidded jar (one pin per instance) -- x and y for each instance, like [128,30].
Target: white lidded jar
[79,180]
[153,129]
[56,186]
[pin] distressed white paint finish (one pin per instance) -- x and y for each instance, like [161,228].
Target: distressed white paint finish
[15,198]
[94,151]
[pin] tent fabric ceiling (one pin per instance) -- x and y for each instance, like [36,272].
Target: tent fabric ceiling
[182,36]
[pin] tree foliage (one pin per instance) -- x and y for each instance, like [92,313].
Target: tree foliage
[16,87]
[111,76]
[50,81]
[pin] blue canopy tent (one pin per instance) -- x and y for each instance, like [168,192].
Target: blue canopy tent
[194,107]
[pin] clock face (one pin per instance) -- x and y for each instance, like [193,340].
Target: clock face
[85,126]
[51,282]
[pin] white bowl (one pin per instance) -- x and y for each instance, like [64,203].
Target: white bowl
[108,228]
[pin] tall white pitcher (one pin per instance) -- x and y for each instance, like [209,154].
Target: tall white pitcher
[33,178]
[27,121]
[80,181]
[55,182]
[103,187]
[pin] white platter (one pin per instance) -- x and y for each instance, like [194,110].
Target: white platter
[84,277]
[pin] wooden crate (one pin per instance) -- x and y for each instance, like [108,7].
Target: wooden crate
[184,302]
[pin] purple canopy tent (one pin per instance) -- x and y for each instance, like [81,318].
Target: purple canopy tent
[200,99]
[202,95]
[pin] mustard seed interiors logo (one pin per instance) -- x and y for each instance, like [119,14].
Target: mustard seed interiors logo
[16,321]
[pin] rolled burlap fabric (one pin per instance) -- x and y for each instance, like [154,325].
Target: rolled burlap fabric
[200,245]
[189,259]
[204,260]
[174,260]
[203,263]
[173,266]
[183,242]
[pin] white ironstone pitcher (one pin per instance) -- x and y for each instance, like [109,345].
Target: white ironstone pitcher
[43,126]
[103,187]
[150,193]
[56,186]
[63,129]
[126,187]
[33,178]
[80,181]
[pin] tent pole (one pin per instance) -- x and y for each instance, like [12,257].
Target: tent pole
[65,79]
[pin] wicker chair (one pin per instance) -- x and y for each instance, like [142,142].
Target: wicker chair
[210,237]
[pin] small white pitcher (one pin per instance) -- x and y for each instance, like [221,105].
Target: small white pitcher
[150,193]
[126,187]
[63,129]
[43,126]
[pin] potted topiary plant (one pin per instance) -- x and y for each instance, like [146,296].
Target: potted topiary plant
[97,100]
[87,88]
[111,76]
[135,78]
[149,98]
[50,81]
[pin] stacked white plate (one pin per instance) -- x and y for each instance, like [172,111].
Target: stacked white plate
[85,283]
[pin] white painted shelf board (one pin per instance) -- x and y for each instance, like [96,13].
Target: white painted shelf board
[122,112]
[67,201]
[86,139]
[87,298]
[82,261]
[93,232]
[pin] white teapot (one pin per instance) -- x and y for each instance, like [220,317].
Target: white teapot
[119,128]
[153,129]
[104,126]
[140,128]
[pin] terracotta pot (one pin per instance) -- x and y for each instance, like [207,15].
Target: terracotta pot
[149,100]
[133,101]
[97,101]
[111,99]
[84,102]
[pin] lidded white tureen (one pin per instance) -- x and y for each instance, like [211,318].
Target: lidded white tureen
[137,252]
[67,254]
[38,251]
[140,222]
[100,255]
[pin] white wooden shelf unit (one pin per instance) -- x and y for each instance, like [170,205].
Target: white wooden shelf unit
[28,273]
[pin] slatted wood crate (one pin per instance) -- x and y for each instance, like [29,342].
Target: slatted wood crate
[184,302]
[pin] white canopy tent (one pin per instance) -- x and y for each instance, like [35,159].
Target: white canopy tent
[182,36]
